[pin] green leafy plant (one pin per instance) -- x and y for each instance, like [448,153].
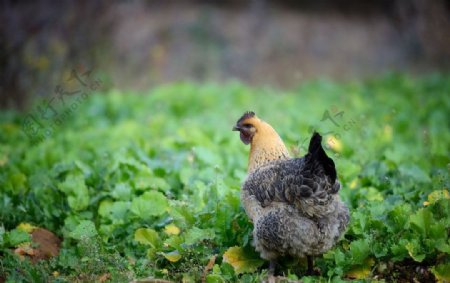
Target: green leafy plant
[147,186]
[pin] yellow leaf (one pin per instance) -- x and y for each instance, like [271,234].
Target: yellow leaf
[240,261]
[26,227]
[25,249]
[437,195]
[173,256]
[361,271]
[171,229]
[3,160]
[334,144]
[164,271]
[353,183]
[387,133]
[358,272]
[345,245]
[24,245]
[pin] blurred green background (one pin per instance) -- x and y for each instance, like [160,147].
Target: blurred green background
[134,45]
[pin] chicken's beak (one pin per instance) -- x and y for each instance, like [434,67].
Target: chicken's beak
[236,128]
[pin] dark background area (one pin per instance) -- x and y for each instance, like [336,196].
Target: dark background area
[138,44]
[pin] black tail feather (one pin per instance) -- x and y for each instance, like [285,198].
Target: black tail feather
[316,152]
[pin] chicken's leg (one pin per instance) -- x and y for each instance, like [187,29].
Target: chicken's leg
[272,266]
[310,265]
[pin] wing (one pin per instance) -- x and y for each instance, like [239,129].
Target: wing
[310,180]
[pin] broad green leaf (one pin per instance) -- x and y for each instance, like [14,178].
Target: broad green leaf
[122,191]
[421,220]
[206,155]
[142,179]
[86,229]
[158,183]
[147,236]
[442,272]
[226,269]
[335,255]
[359,250]
[339,257]
[119,209]
[438,237]
[17,236]
[399,250]
[398,217]
[83,167]
[183,213]
[380,249]
[241,262]
[372,194]
[442,245]
[114,210]
[415,251]
[438,230]
[195,235]
[149,204]
[359,222]
[415,173]
[77,193]
[104,209]
[214,278]
[18,183]
[186,174]
[175,241]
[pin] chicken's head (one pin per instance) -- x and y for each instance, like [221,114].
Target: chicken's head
[247,126]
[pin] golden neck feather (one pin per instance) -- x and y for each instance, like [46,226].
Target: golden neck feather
[266,146]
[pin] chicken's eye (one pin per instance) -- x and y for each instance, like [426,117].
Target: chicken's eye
[248,126]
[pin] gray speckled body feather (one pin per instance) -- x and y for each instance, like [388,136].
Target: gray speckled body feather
[294,205]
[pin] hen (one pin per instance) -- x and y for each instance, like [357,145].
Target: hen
[292,202]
